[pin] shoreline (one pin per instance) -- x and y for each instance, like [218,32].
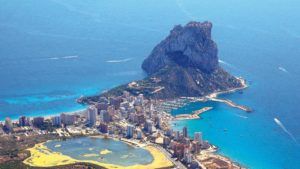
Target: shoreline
[213,153]
[213,95]
[130,142]
[50,115]
[244,86]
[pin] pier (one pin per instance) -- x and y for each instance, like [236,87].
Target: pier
[231,103]
[194,115]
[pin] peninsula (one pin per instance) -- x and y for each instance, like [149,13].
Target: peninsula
[184,64]
[182,68]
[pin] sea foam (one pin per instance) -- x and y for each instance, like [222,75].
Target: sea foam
[119,61]
[278,122]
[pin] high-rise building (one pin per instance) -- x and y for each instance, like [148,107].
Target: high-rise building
[185,132]
[115,102]
[187,156]
[67,119]
[8,124]
[139,134]
[177,135]
[56,121]
[133,117]
[178,149]
[169,132]
[148,126]
[92,115]
[129,132]
[104,116]
[166,141]
[196,147]
[140,118]
[23,121]
[101,106]
[103,128]
[198,136]
[158,121]
[139,100]
[38,121]
[151,109]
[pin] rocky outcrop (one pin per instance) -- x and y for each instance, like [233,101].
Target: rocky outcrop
[183,64]
[188,46]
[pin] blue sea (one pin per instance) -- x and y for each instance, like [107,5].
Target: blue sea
[54,51]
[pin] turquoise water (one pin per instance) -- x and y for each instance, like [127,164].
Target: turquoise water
[252,139]
[121,153]
[52,52]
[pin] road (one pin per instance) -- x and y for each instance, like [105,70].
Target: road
[178,164]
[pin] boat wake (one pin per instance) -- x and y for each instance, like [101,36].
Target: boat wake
[119,61]
[70,57]
[244,117]
[278,122]
[282,69]
[63,57]
[226,63]
[53,58]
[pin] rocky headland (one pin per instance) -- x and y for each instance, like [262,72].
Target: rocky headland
[184,64]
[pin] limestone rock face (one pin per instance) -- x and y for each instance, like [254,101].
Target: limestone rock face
[188,46]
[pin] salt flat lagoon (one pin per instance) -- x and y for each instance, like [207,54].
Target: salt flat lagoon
[52,52]
[101,150]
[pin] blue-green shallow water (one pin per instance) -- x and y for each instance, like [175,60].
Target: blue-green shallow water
[258,40]
[121,153]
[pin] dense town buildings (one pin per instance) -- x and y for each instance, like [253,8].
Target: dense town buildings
[126,116]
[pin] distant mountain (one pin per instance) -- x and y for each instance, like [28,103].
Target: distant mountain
[183,64]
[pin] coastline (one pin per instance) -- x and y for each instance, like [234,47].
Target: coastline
[41,154]
[212,154]
[206,157]
[244,86]
[78,111]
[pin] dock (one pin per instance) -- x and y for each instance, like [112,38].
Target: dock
[170,105]
[194,115]
[231,103]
